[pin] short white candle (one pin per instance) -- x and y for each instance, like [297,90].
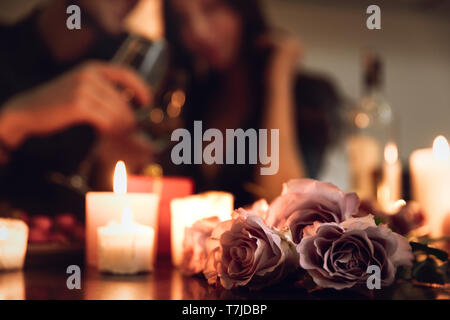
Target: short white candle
[13,243]
[186,211]
[430,177]
[103,207]
[126,247]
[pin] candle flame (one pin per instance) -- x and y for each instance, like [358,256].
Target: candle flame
[127,216]
[3,233]
[391,153]
[441,149]
[120,178]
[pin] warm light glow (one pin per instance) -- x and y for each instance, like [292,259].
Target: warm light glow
[120,178]
[441,149]
[362,120]
[399,204]
[264,205]
[188,210]
[383,194]
[3,233]
[146,19]
[391,153]
[12,285]
[127,217]
[157,115]
[384,199]
[178,99]
[173,111]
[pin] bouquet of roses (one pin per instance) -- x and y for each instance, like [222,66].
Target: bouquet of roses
[311,227]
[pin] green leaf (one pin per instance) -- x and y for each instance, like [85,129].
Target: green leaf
[441,255]
[378,221]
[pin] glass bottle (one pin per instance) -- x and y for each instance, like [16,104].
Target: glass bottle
[371,130]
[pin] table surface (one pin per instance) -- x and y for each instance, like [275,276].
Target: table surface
[167,283]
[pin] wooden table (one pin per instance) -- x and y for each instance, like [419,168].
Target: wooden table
[167,283]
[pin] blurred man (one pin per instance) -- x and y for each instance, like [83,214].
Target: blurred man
[56,97]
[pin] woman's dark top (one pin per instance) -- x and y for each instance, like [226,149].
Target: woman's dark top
[317,121]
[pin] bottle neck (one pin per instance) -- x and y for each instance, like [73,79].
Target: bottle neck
[373,90]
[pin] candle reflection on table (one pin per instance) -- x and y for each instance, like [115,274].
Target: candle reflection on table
[12,286]
[104,287]
[188,288]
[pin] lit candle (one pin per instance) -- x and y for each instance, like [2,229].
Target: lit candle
[186,211]
[103,207]
[170,188]
[12,285]
[430,177]
[390,188]
[126,247]
[13,243]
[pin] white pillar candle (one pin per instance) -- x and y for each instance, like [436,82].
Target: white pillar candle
[103,207]
[126,247]
[12,285]
[13,243]
[430,177]
[390,189]
[186,211]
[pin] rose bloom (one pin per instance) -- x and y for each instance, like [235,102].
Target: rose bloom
[194,245]
[245,252]
[338,255]
[305,201]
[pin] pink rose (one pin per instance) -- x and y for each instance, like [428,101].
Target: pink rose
[194,245]
[245,252]
[338,255]
[306,201]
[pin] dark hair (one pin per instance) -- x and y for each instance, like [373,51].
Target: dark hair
[249,10]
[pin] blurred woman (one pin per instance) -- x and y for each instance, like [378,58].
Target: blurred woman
[241,75]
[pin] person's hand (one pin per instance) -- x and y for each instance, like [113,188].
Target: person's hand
[89,94]
[286,56]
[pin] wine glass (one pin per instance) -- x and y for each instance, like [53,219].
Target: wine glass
[150,59]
